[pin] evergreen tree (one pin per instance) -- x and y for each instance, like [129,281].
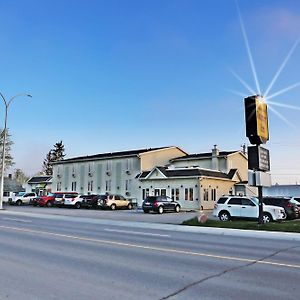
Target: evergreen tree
[8,143]
[55,154]
[47,164]
[58,151]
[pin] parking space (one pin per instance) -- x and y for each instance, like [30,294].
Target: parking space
[135,215]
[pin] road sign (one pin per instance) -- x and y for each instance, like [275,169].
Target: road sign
[258,158]
[256,116]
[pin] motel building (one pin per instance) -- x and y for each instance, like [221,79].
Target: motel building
[196,181]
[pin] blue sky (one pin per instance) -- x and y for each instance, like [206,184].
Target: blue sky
[117,75]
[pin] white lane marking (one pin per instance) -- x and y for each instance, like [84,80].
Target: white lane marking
[136,232]
[153,248]
[18,220]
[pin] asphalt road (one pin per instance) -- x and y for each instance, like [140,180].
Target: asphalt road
[55,257]
[124,215]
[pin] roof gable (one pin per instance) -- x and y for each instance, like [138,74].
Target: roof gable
[156,173]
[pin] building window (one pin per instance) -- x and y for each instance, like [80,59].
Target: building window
[188,194]
[90,186]
[213,194]
[108,185]
[108,165]
[175,194]
[73,188]
[128,164]
[58,186]
[145,193]
[128,184]
[205,194]
[191,194]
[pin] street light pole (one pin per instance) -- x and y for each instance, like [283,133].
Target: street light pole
[6,103]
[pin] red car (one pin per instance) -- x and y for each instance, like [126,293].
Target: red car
[48,200]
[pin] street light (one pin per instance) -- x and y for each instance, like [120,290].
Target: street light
[6,103]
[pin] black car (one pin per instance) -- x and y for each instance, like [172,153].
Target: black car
[91,201]
[160,204]
[291,209]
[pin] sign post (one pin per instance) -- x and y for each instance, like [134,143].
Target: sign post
[257,131]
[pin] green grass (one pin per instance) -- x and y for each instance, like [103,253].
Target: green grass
[287,226]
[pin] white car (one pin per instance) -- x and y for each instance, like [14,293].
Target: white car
[229,207]
[68,199]
[22,198]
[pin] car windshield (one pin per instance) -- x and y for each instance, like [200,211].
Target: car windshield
[50,195]
[255,200]
[20,194]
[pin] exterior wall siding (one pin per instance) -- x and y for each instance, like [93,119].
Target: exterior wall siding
[159,158]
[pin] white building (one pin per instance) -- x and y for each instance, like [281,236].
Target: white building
[110,172]
[195,180]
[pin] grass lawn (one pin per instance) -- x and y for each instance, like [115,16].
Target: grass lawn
[288,225]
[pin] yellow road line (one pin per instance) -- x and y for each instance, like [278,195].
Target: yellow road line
[232,258]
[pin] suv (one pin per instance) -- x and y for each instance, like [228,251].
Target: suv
[229,207]
[160,204]
[92,200]
[22,198]
[115,201]
[68,198]
[47,200]
[291,209]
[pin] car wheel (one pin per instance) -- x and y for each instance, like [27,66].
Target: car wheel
[49,204]
[129,206]
[224,216]
[177,208]
[267,218]
[146,211]
[160,210]
[19,202]
[113,207]
[77,205]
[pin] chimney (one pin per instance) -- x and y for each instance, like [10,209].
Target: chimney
[214,158]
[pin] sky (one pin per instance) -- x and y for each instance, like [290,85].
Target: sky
[116,75]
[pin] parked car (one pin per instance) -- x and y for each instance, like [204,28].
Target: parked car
[160,204]
[22,198]
[291,209]
[67,199]
[296,200]
[115,201]
[92,201]
[228,207]
[49,200]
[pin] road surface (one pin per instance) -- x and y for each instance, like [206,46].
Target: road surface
[65,258]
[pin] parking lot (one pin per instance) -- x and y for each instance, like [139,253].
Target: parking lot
[135,215]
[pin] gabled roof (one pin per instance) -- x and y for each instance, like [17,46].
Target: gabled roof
[39,179]
[186,172]
[126,153]
[203,155]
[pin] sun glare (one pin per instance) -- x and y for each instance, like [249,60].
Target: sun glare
[265,98]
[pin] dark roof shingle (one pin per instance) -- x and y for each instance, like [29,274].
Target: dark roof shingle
[188,172]
[109,155]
